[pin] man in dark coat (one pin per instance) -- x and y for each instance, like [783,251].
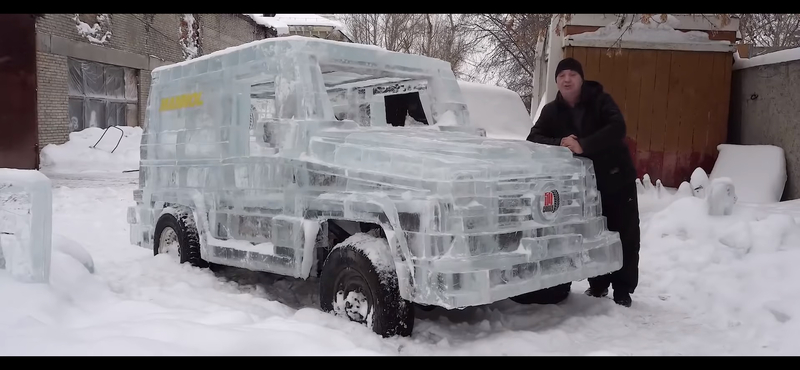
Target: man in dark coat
[586,120]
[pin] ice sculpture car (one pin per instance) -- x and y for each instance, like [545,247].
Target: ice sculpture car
[276,156]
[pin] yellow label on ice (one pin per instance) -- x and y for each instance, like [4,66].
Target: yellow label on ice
[181,101]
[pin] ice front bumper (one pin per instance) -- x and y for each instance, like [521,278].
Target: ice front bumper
[543,257]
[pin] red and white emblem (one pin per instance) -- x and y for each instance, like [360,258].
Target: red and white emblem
[550,201]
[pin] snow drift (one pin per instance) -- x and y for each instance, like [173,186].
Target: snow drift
[78,156]
[732,271]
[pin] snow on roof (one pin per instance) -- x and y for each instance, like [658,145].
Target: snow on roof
[689,22]
[282,22]
[654,32]
[298,40]
[782,56]
[499,111]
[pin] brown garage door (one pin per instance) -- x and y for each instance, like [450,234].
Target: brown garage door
[18,123]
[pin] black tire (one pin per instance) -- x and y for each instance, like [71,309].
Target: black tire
[552,295]
[347,269]
[188,240]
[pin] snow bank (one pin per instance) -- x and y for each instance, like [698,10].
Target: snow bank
[758,171]
[732,271]
[77,154]
[499,111]
[782,56]
[653,31]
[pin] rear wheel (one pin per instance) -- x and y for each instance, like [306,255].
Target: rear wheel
[354,286]
[175,237]
[552,295]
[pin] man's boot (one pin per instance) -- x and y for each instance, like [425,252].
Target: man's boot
[622,298]
[596,292]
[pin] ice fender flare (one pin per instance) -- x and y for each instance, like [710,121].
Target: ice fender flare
[396,244]
[196,207]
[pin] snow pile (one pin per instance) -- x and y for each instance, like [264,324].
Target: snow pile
[755,173]
[782,56]
[499,111]
[77,154]
[720,193]
[732,271]
[654,30]
[655,196]
[759,171]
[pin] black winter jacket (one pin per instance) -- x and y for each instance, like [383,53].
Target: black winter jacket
[601,135]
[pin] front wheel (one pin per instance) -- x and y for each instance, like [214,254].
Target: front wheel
[552,295]
[177,237]
[351,285]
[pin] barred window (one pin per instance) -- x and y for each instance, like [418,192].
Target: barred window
[101,95]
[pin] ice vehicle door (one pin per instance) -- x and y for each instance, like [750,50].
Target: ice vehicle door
[377,109]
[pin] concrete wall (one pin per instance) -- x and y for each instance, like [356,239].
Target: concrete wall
[765,108]
[137,41]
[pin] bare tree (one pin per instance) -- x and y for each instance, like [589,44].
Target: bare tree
[512,40]
[504,45]
[509,51]
[385,30]
[443,36]
[770,31]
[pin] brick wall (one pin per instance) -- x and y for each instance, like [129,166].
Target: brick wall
[156,35]
[52,98]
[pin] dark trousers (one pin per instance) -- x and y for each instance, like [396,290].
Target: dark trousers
[621,209]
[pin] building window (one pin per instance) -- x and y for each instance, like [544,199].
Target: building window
[101,95]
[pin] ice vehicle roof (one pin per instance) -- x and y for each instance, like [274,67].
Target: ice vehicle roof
[349,63]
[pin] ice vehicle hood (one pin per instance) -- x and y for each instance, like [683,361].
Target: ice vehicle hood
[430,154]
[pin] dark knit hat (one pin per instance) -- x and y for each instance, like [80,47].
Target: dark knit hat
[571,64]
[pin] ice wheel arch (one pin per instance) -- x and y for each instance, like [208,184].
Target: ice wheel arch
[365,289]
[175,233]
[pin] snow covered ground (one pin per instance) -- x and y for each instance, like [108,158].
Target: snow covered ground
[708,286]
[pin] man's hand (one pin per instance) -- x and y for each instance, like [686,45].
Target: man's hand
[571,142]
